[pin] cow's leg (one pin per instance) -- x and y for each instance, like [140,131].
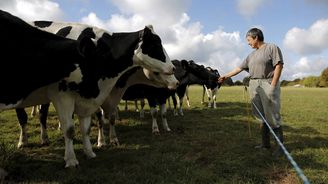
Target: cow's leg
[215,91]
[180,106]
[43,121]
[22,119]
[187,97]
[136,105]
[85,123]
[35,109]
[209,96]
[112,132]
[203,96]
[111,112]
[101,123]
[163,116]
[168,104]
[126,105]
[214,98]
[142,109]
[174,100]
[64,106]
[117,116]
[153,112]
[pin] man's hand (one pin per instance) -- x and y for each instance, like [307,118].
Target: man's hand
[222,79]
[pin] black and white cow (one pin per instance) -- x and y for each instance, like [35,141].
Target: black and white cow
[72,83]
[109,107]
[210,90]
[136,75]
[28,52]
[187,73]
[78,31]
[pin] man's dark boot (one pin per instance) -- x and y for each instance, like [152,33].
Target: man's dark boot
[278,152]
[265,132]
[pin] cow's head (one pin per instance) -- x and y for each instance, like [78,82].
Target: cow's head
[217,75]
[200,73]
[151,54]
[161,80]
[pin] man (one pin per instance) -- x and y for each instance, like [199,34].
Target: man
[264,65]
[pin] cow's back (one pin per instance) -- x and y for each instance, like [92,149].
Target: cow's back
[74,31]
[31,58]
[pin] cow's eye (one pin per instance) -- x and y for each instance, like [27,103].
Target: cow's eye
[156,73]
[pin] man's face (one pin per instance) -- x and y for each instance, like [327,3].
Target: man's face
[252,42]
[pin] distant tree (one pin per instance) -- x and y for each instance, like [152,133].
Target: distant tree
[284,83]
[246,81]
[323,81]
[238,83]
[311,81]
[228,82]
[296,80]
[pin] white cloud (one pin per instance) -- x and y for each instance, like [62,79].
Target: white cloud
[33,9]
[308,41]
[304,67]
[249,8]
[182,38]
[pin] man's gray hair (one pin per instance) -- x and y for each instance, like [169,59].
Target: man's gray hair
[255,32]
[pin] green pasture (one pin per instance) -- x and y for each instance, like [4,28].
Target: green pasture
[205,146]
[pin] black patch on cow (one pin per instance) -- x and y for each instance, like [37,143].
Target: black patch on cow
[87,32]
[121,82]
[73,86]
[62,86]
[152,45]
[42,24]
[117,51]
[32,53]
[64,31]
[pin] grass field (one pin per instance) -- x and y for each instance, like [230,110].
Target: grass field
[206,145]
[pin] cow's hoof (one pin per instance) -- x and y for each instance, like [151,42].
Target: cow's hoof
[114,141]
[72,163]
[21,144]
[168,130]
[156,133]
[101,144]
[45,142]
[90,154]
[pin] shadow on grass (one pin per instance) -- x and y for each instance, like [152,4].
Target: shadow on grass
[205,146]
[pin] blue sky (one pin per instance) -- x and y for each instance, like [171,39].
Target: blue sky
[210,32]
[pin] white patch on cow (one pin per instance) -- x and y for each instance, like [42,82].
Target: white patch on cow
[144,60]
[161,80]
[76,30]
[75,76]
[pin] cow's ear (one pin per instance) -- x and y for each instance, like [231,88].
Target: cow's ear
[184,64]
[87,47]
[148,30]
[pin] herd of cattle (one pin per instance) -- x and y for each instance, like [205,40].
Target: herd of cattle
[83,70]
